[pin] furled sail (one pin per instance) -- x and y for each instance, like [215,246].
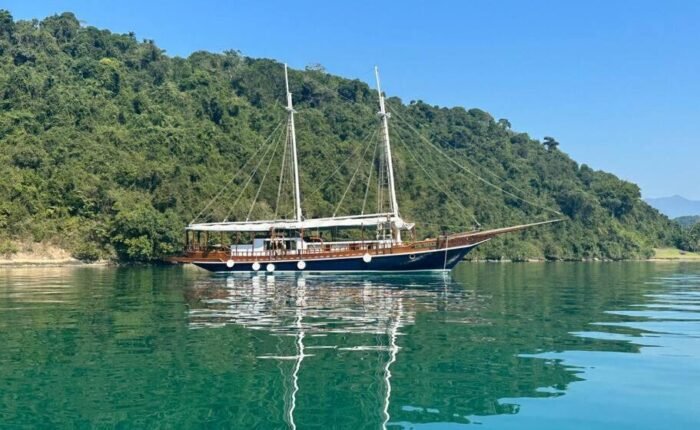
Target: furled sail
[347,221]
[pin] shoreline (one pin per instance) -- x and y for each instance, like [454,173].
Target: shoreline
[62,262]
[52,256]
[41,263]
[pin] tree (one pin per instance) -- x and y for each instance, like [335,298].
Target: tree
[693,241]
[63,27]
[504,123]
[550,143]
[7,24]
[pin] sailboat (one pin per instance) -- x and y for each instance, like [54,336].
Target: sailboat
[297,244]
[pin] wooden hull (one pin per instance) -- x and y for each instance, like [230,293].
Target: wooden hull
[427,255]
[430,260]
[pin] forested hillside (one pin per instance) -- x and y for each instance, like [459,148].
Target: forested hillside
[688,221]
[109,147]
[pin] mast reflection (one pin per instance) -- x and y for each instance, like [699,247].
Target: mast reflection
[429,318]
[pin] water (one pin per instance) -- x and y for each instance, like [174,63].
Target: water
[541,346]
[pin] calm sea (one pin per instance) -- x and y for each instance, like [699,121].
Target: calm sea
[501,346]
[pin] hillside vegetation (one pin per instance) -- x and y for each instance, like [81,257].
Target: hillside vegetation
[109,147]
[690,239]
[687,222]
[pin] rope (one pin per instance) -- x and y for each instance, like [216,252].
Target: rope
[485,181]
[369,178]
[237,173]
[250,178]
[267,169]
[442,188]
[352,155]
[352,179]
[394,111]
[380,181]
[442,225]
[284,160]
[290,174]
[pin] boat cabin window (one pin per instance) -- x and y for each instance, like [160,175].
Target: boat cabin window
[286,244]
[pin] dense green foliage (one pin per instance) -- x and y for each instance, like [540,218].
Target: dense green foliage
[687,222]
[690,240]
[108,147]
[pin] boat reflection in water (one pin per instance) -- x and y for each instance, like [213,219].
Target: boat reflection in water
[396,323]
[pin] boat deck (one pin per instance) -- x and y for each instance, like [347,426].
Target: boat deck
[195,253]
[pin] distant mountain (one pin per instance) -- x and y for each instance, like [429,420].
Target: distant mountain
[675,206]
[687,221]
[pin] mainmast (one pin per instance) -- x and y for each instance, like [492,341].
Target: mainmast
[293,140]
[387,150]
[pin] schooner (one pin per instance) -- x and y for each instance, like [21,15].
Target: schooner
[290,245]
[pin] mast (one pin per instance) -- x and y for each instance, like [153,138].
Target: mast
[387,149]
[293,139]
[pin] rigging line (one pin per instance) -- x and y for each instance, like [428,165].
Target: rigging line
[369,178]
[267,169]
[462,167]
[290,175]
[362,137]
[485,181]
[237,173]
[336,91]
[250,178]
[456,150]
[442,225]
[440,184]
[284,159]
[292,208]
[442,188]
[340,166]
[476,175]
[352,179]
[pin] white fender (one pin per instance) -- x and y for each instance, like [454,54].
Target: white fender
[301,265]
[270,267]
[230,264]
[256,266]
[366,258]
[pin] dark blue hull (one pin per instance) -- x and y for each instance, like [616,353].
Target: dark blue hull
[421,261]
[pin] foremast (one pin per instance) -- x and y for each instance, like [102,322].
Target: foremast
[384,116]
[293,141]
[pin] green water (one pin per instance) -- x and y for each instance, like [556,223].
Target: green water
[517,346]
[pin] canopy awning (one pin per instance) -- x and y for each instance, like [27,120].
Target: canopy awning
[262,226]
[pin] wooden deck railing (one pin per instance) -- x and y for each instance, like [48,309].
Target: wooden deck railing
[326,250]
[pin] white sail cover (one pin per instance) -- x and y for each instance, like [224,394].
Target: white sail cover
[262,226]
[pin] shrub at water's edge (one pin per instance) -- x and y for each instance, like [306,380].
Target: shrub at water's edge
[108,147]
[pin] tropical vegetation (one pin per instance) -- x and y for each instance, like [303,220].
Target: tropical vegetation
[109,148]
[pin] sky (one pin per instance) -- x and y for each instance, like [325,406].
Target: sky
[616,82]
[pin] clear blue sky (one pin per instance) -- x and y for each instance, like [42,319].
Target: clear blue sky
[616,82]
